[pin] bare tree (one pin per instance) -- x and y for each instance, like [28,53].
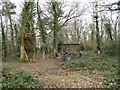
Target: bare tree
[42,30]
[8,10]
[59,18]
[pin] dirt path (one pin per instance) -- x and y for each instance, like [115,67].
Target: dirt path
[52,76]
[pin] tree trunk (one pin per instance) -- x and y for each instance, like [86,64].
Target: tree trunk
[115,30]
[4,51]
[55,35]
[22,50]
[17,38]
[119,24]
[12,33]
[28,44]
[43,55]
[97,27]
[93,42]
[97,34]
[119,36]
[42,31]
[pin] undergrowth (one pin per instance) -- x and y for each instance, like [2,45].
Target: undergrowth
[106,65]
[19,79]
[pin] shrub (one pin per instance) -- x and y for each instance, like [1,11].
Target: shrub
[111,49]
[19,79]
[106,66]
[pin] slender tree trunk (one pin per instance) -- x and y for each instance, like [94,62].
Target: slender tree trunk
[115,30]
[119,23]
[43,55]
[97,34]
[55,34]
[93,42]
[119,36]
[97,27]
[55,38]
[4,51]
[17,39]
[6,36]
[42,32]
[12,33]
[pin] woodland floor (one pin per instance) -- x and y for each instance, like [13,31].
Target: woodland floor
[49,72]
[87,72]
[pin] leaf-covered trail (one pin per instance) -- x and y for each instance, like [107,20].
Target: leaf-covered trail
[49,72]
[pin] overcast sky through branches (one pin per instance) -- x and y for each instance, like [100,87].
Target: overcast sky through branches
[84,3]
